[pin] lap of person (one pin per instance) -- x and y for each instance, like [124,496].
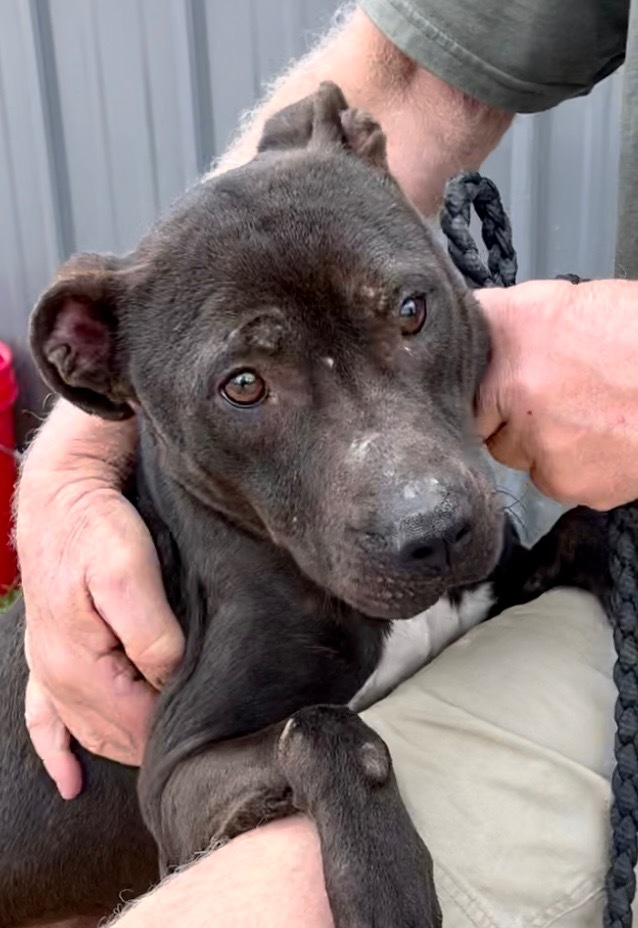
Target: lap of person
[503,749]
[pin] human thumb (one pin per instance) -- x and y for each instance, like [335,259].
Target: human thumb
[488,403]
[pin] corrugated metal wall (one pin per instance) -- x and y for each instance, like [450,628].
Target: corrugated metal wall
[108,108]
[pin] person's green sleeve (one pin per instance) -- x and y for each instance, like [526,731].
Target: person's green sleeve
[519,55]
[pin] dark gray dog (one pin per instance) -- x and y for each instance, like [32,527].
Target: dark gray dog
[302,361]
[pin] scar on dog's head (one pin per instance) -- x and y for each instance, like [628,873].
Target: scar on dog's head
[297,337]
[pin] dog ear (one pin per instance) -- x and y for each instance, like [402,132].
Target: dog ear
[365,137]
[324,120]
[74,336]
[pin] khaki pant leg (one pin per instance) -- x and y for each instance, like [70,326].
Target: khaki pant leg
[503,748]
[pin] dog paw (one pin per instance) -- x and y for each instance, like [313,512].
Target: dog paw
[320,740]
[378,871]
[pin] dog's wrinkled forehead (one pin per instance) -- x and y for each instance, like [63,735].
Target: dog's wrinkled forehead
[324,236]
[312,239]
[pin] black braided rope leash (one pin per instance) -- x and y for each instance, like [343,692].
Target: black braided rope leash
[462,192]
[620,883]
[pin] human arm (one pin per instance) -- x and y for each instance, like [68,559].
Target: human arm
[268,877]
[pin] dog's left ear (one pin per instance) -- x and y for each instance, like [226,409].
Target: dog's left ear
[324,120]
[75,338]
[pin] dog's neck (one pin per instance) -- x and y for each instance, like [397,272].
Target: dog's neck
[204,533]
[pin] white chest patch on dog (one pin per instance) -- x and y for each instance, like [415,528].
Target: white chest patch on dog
[412,643]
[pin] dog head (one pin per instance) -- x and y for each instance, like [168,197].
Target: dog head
[305,357]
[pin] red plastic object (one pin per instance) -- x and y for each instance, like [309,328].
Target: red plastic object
[8,469]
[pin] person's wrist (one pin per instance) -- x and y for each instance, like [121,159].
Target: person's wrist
[73,444]
[73,456]
[64,497]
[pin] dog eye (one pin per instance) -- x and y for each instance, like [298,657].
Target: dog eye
[412,313]
[245,388]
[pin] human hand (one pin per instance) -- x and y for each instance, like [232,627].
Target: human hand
[560,398]
[101,638]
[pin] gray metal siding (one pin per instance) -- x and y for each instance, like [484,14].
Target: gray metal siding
[109,108]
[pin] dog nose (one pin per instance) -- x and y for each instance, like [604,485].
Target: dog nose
[433,544]
[431,532]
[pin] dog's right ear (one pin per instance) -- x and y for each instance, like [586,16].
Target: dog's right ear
[74,336]
[324,120]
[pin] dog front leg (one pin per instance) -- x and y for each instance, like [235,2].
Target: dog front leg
[213,795]
[378,871]
[329,765]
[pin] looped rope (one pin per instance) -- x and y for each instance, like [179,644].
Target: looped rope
[462,192]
